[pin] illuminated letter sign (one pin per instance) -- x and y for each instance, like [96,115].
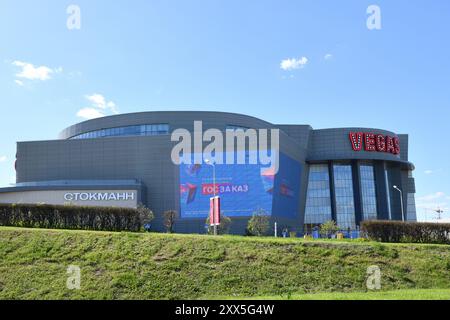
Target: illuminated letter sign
[381,143]
[356,140]
[369,140]
[374,142]
[390,145]
[396,145]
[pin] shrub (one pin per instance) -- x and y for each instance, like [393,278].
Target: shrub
[413,232]
[222,228]
[169,220]
[328,229]
[74,217]
[259,223]
[145,215]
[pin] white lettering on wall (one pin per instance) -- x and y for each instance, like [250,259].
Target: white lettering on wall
[99,196]
[68,197]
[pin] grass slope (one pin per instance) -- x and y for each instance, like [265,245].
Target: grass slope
[403,294]
[33,265]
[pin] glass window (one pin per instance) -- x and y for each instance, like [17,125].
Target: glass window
[163,129]
[139,130]
[234,127]
[368,192]
[318,200]
[345,206]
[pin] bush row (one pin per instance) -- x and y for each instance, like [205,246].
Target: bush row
[73,217]
[412,232]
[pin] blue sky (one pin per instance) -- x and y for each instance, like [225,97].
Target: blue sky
[226,55]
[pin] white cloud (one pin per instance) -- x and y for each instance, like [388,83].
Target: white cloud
[99,107]
[90,113]
[292,64]
[431,197]
[328,56]
[112,106]
[3,158]
[19,82]
[432,205]
[432,171]
[99,101]
[30,72]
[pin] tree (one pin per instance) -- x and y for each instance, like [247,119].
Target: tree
[222,228]
[328,228]
[259,224]
[145,216]
[169,220]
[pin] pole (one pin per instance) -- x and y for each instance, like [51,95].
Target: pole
[276,231]
[214,191]
[439,212]
[401,202]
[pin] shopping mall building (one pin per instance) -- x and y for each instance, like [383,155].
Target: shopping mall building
[342,174]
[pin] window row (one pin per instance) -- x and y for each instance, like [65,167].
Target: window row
[138,130]
[318,203]
[235,127]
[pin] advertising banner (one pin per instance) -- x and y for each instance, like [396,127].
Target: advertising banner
[243,189]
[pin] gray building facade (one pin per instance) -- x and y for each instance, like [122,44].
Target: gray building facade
[344,174]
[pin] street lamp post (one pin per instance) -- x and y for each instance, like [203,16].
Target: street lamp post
[208,162]
[401,202]
[439,212]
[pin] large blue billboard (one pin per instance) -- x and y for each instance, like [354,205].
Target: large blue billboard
[243,188]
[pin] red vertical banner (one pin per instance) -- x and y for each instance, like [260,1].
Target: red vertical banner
[217,210]
[211,211]
[214,211]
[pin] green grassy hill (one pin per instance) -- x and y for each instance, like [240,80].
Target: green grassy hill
[33,265]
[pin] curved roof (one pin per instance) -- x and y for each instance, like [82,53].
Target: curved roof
[176,119]
[315,145]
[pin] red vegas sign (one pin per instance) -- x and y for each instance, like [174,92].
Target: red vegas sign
[374,142]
